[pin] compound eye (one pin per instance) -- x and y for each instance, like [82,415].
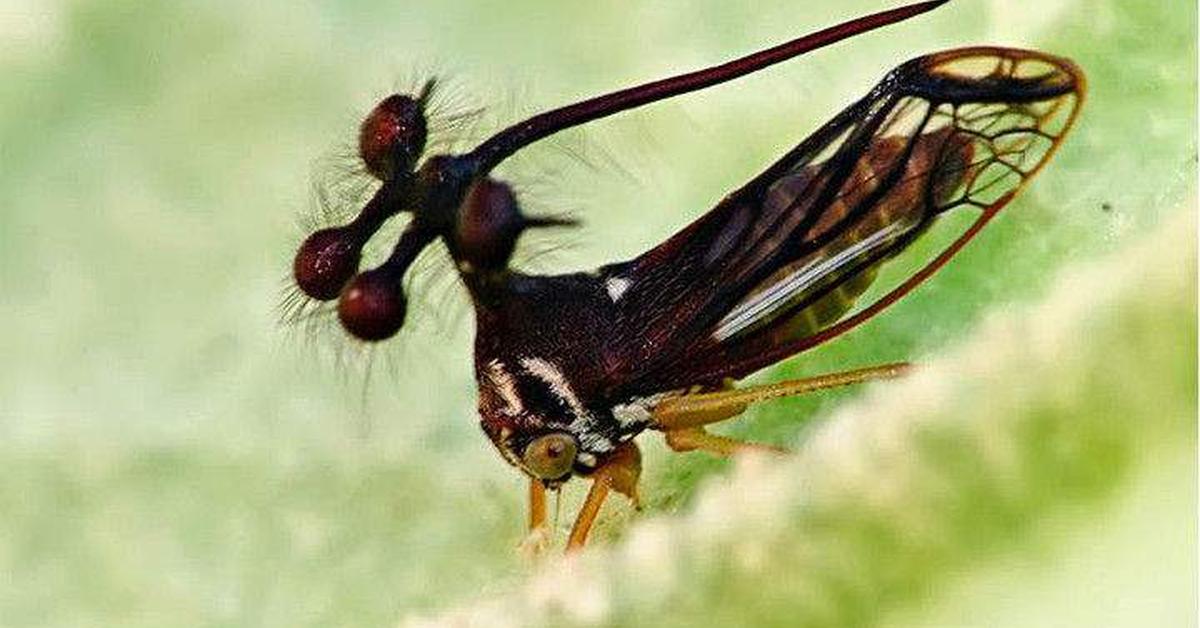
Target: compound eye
[550,457]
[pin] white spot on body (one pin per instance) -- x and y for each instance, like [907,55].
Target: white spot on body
[616,286]
[589,440]
[636,411]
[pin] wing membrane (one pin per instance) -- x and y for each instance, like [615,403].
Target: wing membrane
[778,265]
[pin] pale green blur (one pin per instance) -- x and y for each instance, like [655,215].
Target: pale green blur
[172,456]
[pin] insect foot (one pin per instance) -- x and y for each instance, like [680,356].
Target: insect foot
[535,543]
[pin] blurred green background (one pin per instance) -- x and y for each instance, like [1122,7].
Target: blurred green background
[171,455]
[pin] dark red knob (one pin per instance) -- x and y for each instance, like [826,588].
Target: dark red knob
[372,306]
[489,222]
[392,137]
[325,262]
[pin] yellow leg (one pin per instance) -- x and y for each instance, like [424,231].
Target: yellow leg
[537,504]
[689,411]
[620,473]
[693,438]
[538,537]
[682,419]
[587,515]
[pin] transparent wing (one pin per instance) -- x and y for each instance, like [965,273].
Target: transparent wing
[779,265]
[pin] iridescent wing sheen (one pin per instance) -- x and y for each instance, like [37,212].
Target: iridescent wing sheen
[779,265]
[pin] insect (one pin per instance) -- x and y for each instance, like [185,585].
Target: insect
[571,367]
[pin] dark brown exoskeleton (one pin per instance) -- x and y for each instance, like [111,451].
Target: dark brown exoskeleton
[572,367]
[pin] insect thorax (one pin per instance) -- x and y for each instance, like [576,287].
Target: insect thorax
[546,357]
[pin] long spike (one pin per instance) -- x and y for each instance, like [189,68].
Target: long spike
[502,145]
[549,221]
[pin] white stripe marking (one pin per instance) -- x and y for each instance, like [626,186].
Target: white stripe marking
[582,426]
[504,384]
[766,302]
[557,382]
